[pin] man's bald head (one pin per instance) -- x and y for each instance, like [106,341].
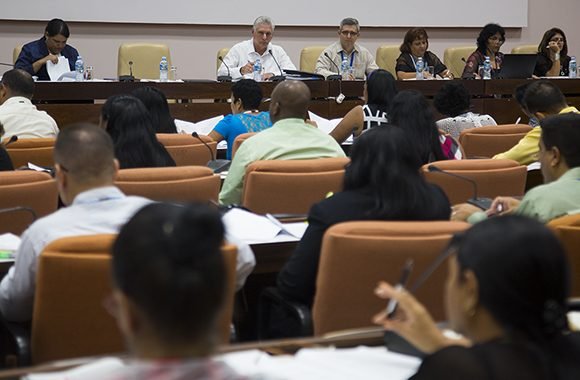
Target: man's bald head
[290,100]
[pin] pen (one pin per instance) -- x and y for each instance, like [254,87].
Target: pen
[392,305]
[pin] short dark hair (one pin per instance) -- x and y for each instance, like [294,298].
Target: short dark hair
[381,89]
[156,103]
[167,261]
[19,82]
[544,96]
[57,26]
[452,99]
[488,31]
[543,46]
[563,132]
[249,92]
[350,21]
[412,35]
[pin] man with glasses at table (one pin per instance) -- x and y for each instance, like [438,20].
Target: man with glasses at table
[360,60]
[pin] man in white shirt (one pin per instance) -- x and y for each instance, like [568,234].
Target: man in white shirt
[17,113]
[241,57]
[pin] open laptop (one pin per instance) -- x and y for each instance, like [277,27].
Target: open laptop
[517,66]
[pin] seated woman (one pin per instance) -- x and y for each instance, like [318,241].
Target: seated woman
[454,101]
[411,111]
[489,41]
[379,91]
[156,103]
[246,117]
[414,46]
[128,123]
[382,182]
[507,296]
[553,59]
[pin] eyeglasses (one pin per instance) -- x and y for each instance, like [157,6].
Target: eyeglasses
[496,39]
[560,39]
[348,33]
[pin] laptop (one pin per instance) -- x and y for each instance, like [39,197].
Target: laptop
[517,66]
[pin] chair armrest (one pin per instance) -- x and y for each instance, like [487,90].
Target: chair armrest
[296,318]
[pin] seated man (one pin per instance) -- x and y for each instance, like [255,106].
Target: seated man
[540,99]
[85,170]
[290,138]
[560,160]
[241,57]
[17,113]
[361,61]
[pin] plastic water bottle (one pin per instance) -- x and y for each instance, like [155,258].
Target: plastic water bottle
[163,70]
[487,68]
[257,70]
[572,68]
[419,68]
[79,69]
[344,68]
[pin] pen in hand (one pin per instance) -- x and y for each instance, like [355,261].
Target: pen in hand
[392,305]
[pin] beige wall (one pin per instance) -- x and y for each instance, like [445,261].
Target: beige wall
[193,48]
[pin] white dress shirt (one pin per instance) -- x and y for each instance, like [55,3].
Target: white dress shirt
[244,52]
[21,118]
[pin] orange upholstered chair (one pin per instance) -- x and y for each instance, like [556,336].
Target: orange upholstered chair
[567,228]
[29,189]
[355,256]
[35,150]
[291,186]
[493,178]
[486,142]
[73,278]
[181,183]
[186,149]
[239,140]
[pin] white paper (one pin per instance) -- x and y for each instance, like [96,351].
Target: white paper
[249,227]
[9,242]
[99,369]
[56,71]
[534,166]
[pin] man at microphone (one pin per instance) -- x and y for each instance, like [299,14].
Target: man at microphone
[240,59]
[360,60]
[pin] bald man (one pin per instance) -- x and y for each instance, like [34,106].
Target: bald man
[290,138]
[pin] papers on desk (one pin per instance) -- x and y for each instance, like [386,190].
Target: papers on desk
[56,71]
[255,229]
[327,125]
[534,166]
[97,370]
[203,127]
[9,244]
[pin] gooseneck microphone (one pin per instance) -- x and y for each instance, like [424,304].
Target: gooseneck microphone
[277,78]
[13,138]
[482,203]
[214,164]
[6,64]
[334,76]
[130,77]
[224,78]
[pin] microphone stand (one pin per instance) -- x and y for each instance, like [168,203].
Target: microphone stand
[224,78]
[214,164]
[277,78]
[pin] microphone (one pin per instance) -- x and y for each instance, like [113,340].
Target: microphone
[334,76]
[13,138]
[277,78]
[224,78]
[130,77]
[482,203]
[6,64]
[214,164]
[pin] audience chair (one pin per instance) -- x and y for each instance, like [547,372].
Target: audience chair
[525,49]
[453,58]
[36,150]
[308,57]
[177,184]
[486,142]
[16,53]
[492,177]
[291,186]
[239,140]
[221,53]
[145,58]
[387,57]
[567,228]
[33,194]
[187,150]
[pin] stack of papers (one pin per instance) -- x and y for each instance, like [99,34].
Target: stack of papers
[254,229]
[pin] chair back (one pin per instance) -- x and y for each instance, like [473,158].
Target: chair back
[486,142]
[453,58]
[74,277]
[355,256]
[177,184]
[291,186]
[186,150]
[567,228]
[25,188]
[525,49]
[16,53]
[387,58]
[145,58]
[308,57]
[492,177]
[38,150]
[239,140]
[221,53]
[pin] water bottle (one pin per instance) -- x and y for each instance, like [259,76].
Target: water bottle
[572,68]
[419,68]
[79,69]
[344,68]
[257,70]
[487,68]
[163,70]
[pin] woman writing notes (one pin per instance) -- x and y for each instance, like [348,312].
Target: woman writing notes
[414,46]
[490,40]
[553,59]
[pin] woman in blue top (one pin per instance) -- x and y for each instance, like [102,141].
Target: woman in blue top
[246,98]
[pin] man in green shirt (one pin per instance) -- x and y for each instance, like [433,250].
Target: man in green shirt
[559,157]
[290,138]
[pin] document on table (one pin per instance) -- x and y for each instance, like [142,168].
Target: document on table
[55,71]
[254,229]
